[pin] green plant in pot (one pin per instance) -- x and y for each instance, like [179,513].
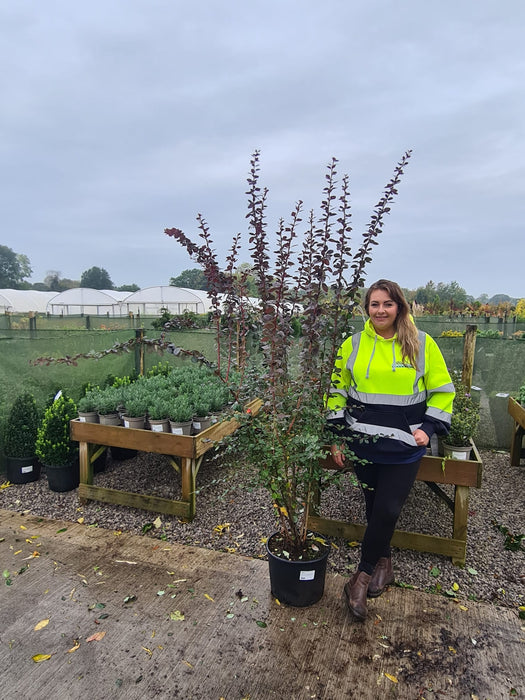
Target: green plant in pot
[54,447]
[107,402]
[20,434]
[87,407]
[464,422]
[315,273]
[181,411]
[136,400]
[158,413]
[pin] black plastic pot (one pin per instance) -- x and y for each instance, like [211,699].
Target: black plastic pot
[297,583]
[22,470]
[62,478]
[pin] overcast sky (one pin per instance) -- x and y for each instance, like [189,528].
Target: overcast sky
[121,118]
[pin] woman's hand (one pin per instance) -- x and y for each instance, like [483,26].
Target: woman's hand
[337,455]
[421,437]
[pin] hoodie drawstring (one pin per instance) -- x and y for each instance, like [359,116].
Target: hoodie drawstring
[373,353]
[393,356]
[371,356]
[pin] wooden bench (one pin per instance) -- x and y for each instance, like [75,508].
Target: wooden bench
[517,413]
[186,453]
[434,470]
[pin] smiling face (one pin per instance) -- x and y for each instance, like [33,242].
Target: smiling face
[383,313]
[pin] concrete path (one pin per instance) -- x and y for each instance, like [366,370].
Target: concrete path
[96,614]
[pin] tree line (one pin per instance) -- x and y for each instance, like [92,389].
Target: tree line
[15,268]
[432,298]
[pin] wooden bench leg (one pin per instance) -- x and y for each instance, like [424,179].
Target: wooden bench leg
[189,468]
[461,499]
[515,446]
[86,467]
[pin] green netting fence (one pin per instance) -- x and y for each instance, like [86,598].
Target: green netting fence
[499,366]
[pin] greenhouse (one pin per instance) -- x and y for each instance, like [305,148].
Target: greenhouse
[82,301]
[150,301]
[24,300]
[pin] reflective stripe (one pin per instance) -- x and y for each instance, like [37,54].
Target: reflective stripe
[445,388]
[356,340]
[394,433]
[421,358]
[443,416]
[387,399]
[340,392]
[333,415]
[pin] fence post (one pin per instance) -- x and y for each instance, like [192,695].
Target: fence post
[469,346]
[139,351]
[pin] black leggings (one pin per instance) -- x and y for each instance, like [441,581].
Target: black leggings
[385,488]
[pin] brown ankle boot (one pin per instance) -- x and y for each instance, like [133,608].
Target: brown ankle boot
[355,593]
[382,577]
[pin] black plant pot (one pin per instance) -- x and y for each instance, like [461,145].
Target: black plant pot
[62,478]
[22,470]
[297,583]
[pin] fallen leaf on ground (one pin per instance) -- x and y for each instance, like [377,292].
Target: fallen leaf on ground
[177,615]
[77,646]
[209,597]
[37,658]
[96,637]
[391,678]
[41,625]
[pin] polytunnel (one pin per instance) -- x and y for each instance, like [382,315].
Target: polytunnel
[150,301]
[24,300]
[83,300]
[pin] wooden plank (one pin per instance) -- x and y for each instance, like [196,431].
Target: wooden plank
[404,540]
[86,466]
[469,347]
[160,443]
[458,472]
[460,520]
[517,411]
[133,438]
[134,500]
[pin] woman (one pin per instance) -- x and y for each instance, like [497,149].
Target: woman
[391,392]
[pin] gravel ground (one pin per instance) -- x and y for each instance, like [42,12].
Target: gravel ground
[492,573]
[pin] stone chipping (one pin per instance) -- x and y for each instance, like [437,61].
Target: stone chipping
[236,517]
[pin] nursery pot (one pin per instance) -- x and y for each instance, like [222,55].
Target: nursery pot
[109,419]
[200,423]
[297,583]
[88,416]
[65,477]
[178,428]
[134,421]
[159,426]
[22,470]
[457,451]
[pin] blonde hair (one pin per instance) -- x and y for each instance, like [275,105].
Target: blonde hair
[406,330]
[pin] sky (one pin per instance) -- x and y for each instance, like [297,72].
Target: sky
[121,118]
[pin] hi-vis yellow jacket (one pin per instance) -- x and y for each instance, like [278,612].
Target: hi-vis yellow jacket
[375,393]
